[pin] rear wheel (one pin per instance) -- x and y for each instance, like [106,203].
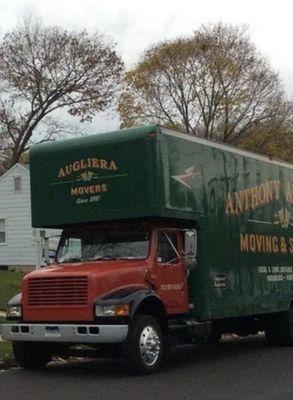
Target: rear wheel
[145,345]
[280,330]
[31,355]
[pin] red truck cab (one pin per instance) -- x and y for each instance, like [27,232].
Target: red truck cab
[94,262]
[112,284]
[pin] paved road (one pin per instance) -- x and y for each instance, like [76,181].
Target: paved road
[241,369]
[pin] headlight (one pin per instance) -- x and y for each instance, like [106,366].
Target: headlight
[113,310]
[14,311]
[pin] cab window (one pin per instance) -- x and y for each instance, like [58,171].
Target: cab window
[167,247]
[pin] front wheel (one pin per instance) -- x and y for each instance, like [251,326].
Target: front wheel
[30,355]
[145,345]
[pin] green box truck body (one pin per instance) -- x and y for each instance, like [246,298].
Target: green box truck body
[240,203]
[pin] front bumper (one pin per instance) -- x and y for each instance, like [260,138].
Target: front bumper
[63,333]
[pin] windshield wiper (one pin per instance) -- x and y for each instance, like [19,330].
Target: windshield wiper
[97,258]
[71,260]
[111,257]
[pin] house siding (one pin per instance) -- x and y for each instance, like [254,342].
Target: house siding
[15,207]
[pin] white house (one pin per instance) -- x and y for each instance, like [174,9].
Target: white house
[20,244]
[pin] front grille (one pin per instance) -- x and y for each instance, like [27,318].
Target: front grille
[58,291]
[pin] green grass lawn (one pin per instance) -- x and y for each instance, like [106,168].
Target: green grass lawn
[10,285]
[5,347]
[6,351]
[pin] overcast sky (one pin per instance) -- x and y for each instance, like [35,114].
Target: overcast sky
[135,24]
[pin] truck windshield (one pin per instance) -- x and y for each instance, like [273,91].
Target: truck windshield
[103,245]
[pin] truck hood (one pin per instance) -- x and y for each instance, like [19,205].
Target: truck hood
[90,268]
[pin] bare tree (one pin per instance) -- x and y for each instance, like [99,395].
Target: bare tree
[213,84]
[43,69]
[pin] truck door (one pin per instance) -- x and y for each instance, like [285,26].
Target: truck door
[171,272]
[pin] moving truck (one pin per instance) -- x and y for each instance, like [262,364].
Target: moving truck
[167,239]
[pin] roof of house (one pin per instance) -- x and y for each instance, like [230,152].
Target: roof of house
[25,167]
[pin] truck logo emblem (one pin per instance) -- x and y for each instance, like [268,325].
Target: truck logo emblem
[283,218]
[186,178]
[87,176]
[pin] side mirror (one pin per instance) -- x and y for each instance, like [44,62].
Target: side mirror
[190,250]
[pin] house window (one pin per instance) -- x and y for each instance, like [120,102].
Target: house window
[2,231]
[17,183]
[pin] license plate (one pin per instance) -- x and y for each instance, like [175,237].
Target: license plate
[52,331]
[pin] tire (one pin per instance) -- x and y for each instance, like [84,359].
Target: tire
[30,355]
[280,331]
[214,338]
[145,345]
[215,335]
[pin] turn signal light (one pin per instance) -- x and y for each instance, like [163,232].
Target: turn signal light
[121,310]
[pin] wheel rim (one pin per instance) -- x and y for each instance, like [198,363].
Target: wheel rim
[149,345]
